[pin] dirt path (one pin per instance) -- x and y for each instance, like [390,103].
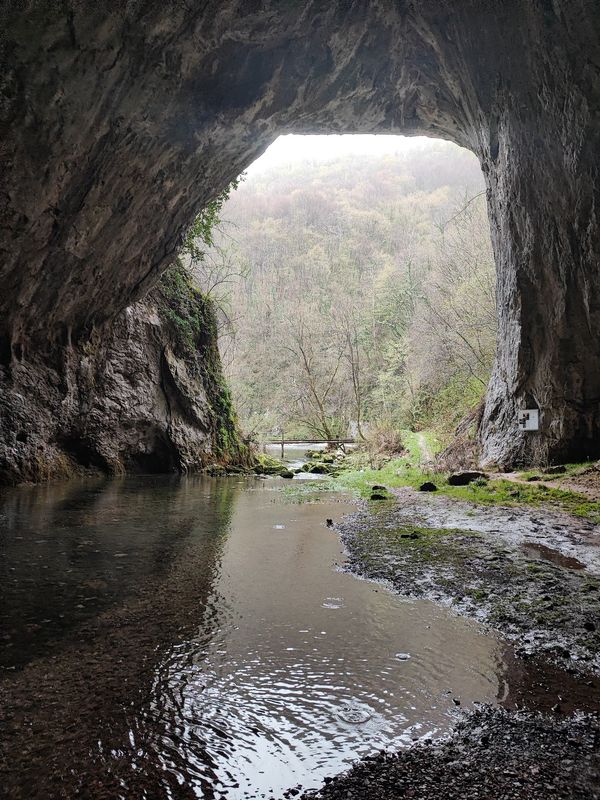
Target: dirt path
[426,454]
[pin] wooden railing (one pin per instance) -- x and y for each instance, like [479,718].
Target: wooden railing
[310,441]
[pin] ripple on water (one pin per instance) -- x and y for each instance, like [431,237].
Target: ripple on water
[333,602]
[257,684]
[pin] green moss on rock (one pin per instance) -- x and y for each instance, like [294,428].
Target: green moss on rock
[191,317]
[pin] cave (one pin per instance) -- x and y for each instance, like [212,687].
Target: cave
[119,125]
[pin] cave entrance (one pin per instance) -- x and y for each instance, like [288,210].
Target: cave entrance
[356,286]
[121,139]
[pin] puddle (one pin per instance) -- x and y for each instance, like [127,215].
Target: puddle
[534,550]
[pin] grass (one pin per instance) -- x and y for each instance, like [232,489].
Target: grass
[359,478]
[569,471]
[411,442]
[306,491]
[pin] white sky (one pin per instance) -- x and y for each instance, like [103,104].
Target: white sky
[292,149]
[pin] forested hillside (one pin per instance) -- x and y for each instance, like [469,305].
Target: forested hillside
[356,290]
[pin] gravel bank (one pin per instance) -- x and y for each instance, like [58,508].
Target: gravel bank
[530,574]
[492,755]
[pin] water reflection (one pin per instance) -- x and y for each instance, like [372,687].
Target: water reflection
[290,686]
[185,638]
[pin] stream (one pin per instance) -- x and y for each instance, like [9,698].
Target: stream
[195,637]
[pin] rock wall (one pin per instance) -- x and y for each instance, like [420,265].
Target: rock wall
[119,122]
[143,394]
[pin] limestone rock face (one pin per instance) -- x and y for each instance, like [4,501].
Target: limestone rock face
[125,401]
[118,122]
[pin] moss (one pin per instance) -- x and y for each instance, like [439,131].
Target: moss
[534,568]
[417,544]
[192,322]
[266,465]
[478,594]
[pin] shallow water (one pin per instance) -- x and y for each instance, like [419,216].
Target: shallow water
[294,455]
[168,637]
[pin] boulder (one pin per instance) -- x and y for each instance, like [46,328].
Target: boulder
[464,478]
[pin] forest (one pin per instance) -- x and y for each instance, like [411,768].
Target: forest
[355,294]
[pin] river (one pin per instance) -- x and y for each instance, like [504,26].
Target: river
[196,637]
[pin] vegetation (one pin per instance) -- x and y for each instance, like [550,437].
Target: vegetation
[356,292]
[193,321]
[360,478]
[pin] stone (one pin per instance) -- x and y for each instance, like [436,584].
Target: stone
[118,124]
[464,478]
[378,496]
[127,401]
[286,473]
[317,469]
[428,486]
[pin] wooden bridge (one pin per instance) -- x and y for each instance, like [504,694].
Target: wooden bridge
[285,442]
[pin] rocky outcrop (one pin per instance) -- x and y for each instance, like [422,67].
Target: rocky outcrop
[144,394]
[119,122]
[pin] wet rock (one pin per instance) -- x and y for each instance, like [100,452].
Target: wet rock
[317,469]
[286,473]
[464,478]
[135,398]
[589,626]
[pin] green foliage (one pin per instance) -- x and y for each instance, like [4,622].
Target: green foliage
[202,231]
[443,408]
[363,290]
[188,311]
[192,319]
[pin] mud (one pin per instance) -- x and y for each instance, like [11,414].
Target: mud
[530,573]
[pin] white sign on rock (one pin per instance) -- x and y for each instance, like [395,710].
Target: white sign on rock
[529,419]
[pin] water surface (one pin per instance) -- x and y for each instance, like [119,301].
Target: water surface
[167,637]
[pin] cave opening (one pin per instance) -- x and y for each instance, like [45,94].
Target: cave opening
[94,213]
[121,126]
[355,286]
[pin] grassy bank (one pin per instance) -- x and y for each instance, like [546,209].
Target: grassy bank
[360,478]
